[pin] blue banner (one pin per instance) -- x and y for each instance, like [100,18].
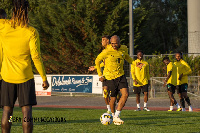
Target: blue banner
[81,84]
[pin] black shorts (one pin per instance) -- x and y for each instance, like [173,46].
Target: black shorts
[137,90]
[182,88]
[25,92]
[104,83]
[171,88]
[115,85]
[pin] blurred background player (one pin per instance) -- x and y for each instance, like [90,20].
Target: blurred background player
[105,45]
[183,70]
[141,77]
[3,15]
[114,75]
[171,81]
[17,75]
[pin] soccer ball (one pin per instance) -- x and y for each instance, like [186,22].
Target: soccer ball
[106,119]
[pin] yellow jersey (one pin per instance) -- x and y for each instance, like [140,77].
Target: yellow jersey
[114,61]
[19,46]
[172,80]
[140,72]
[182,68]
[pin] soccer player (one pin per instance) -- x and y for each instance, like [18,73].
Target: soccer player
[105,45]
[140,75]
[3,15]
[171,81]
[183,70]
[114,75]
[20,43]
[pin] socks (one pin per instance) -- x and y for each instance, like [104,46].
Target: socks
[108,107]
[113,114]
[178,106]
[188,101]
[171,108]
[182,101]
[117,113]
[138,105]
[145,105]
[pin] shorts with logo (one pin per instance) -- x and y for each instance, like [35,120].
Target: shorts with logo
[171,88]
[25,92]
[138,89]
[115,85]
[182,88]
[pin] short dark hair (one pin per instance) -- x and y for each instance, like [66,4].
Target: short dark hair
[139,51]
[165,58]
[106,36]
[3,14]
[181,54]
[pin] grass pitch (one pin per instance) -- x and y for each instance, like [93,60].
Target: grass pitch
[87,121]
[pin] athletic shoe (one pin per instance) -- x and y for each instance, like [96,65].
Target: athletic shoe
[183,109]
[109,112]
[190,109]
[170,110]
[146,109]
[138,109]
[179,109]
[117,120]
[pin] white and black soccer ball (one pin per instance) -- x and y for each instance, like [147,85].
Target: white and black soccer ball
[106,119]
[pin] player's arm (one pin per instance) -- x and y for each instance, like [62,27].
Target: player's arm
[187,70]
[133,72]
[99,58]
[1,56]
[92,68]
[128,58]
[36,57]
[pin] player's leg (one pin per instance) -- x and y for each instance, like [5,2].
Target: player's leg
[6,116]
[123,99]
[137,91]
[171,91]
[145,92]
[106,97]
[27,123]
[185,96]
[8,98]
[27,98]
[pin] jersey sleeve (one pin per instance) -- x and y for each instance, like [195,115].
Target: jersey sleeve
[169,67]
[99,58]
[133,70]
[101,65]
[187,69]
[128,58]
[36,55]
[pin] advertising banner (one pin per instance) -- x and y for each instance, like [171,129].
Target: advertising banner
[72,83]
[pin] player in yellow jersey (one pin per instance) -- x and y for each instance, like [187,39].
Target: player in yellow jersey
[105,45]
[171,81]
[183,70]
[114,75]
[3,15]
[20,43]
[140,75]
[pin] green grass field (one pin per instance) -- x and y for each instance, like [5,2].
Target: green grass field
[87,121]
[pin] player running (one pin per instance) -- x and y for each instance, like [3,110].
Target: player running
[183,70]
[20,43]
[114,75]
[171,81]
[141,77]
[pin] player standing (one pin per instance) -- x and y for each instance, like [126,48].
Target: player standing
[20,43]
[171,81]
[105,45]
[183,70]
[141,77]
[114,75]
